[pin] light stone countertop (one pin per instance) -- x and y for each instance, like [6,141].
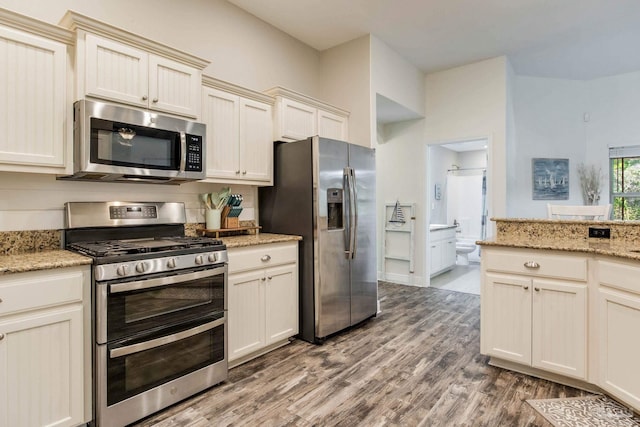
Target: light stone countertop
[567,235]
[257,239]
[60,258]
[44,260]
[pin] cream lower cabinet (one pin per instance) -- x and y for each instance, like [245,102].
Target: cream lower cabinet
[45,348]
[263,299]
[35,110]
[443,251]
[618,326]
[534,309]
[239,134]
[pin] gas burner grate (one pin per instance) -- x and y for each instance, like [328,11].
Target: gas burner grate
[122,247]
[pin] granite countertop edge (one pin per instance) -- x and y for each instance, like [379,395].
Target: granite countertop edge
[620,250]
[61,258]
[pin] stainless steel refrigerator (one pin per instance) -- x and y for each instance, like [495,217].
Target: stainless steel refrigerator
[324,190]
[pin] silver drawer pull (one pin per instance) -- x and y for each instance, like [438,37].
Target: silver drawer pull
[0,299]
[531,264]
[265,258]
[536,289]
[1,337]
[525,288]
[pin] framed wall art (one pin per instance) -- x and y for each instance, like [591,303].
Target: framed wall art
[550,179]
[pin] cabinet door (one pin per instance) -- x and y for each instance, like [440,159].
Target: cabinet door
[332,126]
[256,145]
[449,253]
[41,374]
[246,313]
[33,103]
[116,71]
[281,303]
[297,120]
[174,87]
[506,317]
[559,331]
[435,257]
[220,113]
[619,323]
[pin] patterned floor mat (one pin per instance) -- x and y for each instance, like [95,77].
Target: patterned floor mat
[588,411]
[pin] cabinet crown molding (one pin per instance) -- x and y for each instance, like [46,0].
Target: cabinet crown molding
[76,21]
[296,96]
[214,83]
[34,26]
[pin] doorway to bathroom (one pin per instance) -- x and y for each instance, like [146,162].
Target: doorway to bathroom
[457,177]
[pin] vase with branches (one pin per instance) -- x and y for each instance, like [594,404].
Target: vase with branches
[590,182]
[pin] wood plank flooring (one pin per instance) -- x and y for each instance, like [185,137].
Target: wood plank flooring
[416,364]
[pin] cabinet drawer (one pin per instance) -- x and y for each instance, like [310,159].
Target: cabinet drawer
[32,290]
[619,275]
[549,264]
[241,259]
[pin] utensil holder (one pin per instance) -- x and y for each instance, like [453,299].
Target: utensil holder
[213,219]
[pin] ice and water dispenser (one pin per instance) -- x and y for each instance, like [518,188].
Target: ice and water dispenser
[334,208]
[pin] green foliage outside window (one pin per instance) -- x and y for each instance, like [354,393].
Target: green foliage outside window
[625,188]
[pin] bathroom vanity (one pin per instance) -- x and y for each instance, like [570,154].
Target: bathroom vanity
[442,248]
[560,305]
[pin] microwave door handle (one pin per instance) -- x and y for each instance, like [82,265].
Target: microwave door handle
[148,345]
[183,151]
[115,288]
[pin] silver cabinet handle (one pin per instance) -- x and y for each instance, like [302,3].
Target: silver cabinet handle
[263,279]
[0,299]
[1,337]
[238,172]
[155,100]
[531,264]
[244,172]
[536,289]
[525,287]
[265,258]
[269,277]
[145,97]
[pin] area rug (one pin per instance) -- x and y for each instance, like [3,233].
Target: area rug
[588,411]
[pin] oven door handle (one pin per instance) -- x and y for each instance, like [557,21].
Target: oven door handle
[115,288]
[147,345]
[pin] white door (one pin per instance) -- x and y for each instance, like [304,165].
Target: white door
[256,145]
[619,314]
[33,103]
[506,317]
[297,120]
[559,327]
[246,313]
[41,374]
[174,87]
[116,71]
[332,126]
[220,113]
[281,303]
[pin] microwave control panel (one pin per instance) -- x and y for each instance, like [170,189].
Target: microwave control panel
[194,154]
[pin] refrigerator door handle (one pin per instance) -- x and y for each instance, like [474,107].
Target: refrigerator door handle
[353,212]
[346,184]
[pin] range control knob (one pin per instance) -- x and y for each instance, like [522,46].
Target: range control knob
[141,267]
[122,270]
[171,263]
[213,257]
[199,260]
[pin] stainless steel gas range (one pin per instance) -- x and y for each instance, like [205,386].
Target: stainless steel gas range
[159,302]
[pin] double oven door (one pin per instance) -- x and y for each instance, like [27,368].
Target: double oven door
[159,340]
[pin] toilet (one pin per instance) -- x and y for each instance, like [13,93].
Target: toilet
[463,248]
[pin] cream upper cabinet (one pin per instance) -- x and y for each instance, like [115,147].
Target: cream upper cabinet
[45,348]
[618,326]
[117,66]
[298,117]
[263,298]
[534,309]
[35,107]
[239,134]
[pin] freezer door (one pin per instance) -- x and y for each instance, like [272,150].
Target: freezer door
[332,289]
[364,283]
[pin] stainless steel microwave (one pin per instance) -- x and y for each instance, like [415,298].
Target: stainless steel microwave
[114,143]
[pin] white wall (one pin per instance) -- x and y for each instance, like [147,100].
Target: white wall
[346,83]
[242,49]
[549,124]
[440,159]
[470,102]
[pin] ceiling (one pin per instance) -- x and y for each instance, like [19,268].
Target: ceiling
[570,39]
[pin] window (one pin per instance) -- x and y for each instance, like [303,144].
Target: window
[625,182]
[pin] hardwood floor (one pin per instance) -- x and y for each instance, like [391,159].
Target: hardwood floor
[416,364]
